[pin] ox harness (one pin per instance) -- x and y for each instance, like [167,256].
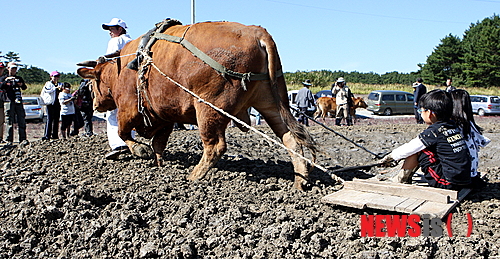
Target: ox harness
[144,59]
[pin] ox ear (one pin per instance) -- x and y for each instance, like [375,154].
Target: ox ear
[86,73]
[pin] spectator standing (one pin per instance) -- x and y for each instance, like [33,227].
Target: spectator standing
[450,87]
[49,94]
[67,110]
[12,84]
[3,98]
[419,90]
[119,38]
[304,100]
[85,102]
[343,99]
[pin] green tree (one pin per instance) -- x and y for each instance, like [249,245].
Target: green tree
[34,75]
[11,57]
[481,44]
[445,61]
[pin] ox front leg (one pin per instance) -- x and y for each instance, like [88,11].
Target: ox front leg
[136,148]
[159,143]
[299,165]
[213,149]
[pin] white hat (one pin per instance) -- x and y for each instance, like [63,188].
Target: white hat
[12,65]
[307,82]
[340,80]
[114,22]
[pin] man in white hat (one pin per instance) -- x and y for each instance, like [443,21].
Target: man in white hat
[119,38]
[343,98]
[12,84]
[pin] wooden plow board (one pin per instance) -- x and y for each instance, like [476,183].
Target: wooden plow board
[398,197]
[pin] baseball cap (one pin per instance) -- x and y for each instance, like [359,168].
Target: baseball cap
[2,64]
[55,73]
[114,22]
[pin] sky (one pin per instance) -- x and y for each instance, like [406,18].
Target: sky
[357,35]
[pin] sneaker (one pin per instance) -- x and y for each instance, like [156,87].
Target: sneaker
[115,153]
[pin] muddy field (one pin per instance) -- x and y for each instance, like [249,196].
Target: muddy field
[61,199]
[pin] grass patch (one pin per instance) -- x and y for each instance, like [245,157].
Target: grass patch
[360,88]
[356,88]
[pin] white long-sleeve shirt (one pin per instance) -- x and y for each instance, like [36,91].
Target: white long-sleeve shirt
[414,146]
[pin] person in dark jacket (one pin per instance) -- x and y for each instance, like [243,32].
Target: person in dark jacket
[83,105]
[304,100]
[12,84]
[419,90]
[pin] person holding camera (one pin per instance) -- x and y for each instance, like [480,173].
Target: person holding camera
[12,84]
[3,97]
[67,109]
[343,99]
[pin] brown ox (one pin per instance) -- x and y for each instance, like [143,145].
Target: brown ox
[328,104]
[237,47]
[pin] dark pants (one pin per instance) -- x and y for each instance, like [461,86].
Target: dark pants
[52,124]
[302,118]
[87,114]
[15,113]
[418,117]
[66,121]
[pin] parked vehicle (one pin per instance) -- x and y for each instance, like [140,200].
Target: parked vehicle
[485,104]
[388,102]
[33,108]
[292,95]
[323,93]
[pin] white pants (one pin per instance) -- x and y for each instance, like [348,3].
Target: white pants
[112,130]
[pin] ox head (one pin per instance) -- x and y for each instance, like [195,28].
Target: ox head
[360,102]
[102,83]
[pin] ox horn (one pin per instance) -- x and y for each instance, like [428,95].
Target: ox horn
[89,63]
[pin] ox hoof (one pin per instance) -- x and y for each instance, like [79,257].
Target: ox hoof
[301,183]
[142,150]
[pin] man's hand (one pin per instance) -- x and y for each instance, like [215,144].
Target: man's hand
[388,161]
[102,59]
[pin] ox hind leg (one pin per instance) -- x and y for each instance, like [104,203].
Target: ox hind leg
[280,128]
[212,127]
[318,113]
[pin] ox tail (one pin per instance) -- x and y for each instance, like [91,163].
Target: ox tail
[298,131]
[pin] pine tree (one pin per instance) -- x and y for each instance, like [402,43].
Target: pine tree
[481,44]
[444,62]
